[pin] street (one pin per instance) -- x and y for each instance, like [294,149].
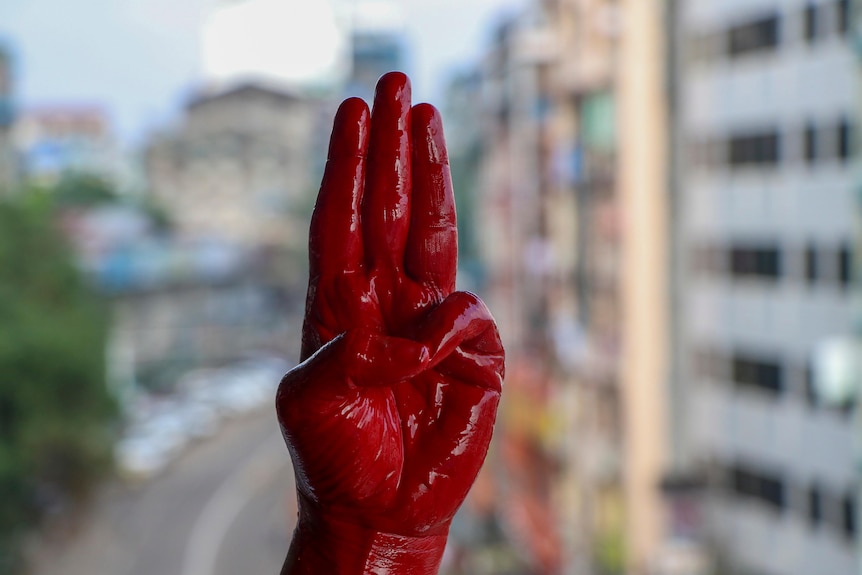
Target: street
[225,507]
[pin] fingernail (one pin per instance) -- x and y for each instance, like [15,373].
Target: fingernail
[393,87]
[428,132]
[349,129]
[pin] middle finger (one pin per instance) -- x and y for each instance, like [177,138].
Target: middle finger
[386,202]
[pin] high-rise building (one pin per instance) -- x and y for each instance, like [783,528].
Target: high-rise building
[377,45]
[763,189]
[514,246]
[572,213]
[374,53]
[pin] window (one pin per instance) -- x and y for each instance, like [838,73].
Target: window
[843,17]
[848,516]
[845,267]
[843,139]
[810,391]
[744,482]
[758,373]
[811,264]
[754,36]
[761,262]
[755,484]
[826,141]
[754,149]
[815,506]
[810,23]
[810,144]
[772,491]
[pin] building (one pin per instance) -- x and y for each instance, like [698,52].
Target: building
[513,245]
[462,116]
[238,167]
[374,52]
[53,140]
[175,304]
[588,319]
[763,189]
[645,263]
[572,208]
[176,307]
[374,30]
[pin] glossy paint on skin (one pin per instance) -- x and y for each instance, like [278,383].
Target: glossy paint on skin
[389,416]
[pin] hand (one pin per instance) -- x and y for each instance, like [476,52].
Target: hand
[389,415]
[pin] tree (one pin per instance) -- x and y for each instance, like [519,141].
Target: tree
[55,409]
[83,189]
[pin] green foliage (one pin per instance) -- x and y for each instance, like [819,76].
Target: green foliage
[156,212]
[83,190]
[55,410]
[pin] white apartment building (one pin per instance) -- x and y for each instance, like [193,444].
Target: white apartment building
[763,233]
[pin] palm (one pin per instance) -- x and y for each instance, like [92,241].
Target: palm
[391,420]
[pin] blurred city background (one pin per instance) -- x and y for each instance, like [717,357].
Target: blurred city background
[658,199]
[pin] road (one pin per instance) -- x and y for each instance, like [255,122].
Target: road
[225,507]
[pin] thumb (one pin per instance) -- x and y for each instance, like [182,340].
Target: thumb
[461,317]
[359,356]
[464,341]
[374,359]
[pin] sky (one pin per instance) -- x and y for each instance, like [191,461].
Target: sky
[140,59]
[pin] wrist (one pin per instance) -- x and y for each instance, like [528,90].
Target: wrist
[328,545]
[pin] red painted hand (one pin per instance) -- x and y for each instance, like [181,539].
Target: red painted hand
[389,415]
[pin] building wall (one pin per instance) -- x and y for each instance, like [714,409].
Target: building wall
[56,140]
[588,295]
[643,196]
[238,168]
[167,329]
[768,108]
[574,239]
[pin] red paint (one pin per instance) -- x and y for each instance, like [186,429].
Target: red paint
[389,415]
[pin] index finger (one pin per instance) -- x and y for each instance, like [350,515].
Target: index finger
[335,237]
[431,256]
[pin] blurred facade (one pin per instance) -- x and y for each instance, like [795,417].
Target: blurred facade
[582,438]
[237,168]
[239,173]
[462,108]
[508,217]
[373,53]
[55,140]
[211,311]
[765,220]
[667,219]
[235,180]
